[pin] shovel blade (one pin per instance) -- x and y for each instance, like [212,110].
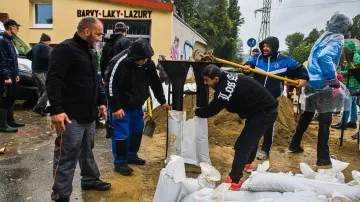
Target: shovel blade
[149,128]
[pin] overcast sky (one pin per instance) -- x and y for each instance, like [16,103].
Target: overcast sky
[286,20]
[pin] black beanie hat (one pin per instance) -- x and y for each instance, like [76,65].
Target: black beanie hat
[45,37]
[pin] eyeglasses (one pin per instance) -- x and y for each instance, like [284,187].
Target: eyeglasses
[16,27]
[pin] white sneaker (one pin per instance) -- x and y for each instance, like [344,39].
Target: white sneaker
[263,156]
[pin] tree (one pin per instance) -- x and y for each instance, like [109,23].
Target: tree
[293,41]
[185,8]
[302,52]
[313,36]
[354,33]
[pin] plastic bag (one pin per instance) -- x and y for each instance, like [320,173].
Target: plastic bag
[326,100]
[175,169]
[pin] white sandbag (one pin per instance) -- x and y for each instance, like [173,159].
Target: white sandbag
[333,174]
[308,196]
[307,171]
[202,140]
[175,169]
[245,196]
[220,191]
[194,145]
[282,183]
[337,197]
[167,189]
[209,176]
[191,185]
[176,125]
[356,176]
[203,195]
[188,142]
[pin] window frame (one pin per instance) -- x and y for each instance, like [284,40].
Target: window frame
[35,25]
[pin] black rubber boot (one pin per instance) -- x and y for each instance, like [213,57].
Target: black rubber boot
[4,127]
[10,118]
[351,125]
[123,169]
[321,162]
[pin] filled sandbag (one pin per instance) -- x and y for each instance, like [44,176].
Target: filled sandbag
[275,182]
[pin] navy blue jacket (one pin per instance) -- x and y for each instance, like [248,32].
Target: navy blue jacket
[8,57]
[277,64]
[40,57]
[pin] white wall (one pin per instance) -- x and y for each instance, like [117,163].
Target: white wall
[183,40]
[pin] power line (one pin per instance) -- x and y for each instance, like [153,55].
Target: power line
[321,4]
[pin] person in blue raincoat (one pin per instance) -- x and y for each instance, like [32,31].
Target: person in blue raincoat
[323,89]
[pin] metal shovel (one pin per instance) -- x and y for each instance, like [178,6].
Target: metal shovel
[150,124]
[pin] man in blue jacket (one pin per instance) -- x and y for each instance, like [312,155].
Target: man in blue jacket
[9,70]
[270,60]
[320,92]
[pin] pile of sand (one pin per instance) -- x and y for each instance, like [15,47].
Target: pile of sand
[225,128]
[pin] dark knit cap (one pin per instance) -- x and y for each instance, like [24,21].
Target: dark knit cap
[45,37]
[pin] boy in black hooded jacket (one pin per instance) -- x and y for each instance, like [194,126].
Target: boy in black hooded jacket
[127,80]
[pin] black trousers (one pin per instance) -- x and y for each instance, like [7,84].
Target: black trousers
[7,93]
[323,132]
[248,141]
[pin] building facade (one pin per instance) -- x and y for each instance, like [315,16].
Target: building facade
[168,34]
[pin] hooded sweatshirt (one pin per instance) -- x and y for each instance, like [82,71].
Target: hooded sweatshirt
[127,83]
[353,83]
[277,64]
[115,45]
[326,52]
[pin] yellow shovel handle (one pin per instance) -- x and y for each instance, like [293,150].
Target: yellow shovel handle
[256,71]
[149,107]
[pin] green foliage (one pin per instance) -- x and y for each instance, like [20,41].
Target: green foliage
[302,52]
[293,41]
[354,33]
[314,35]
[218,21]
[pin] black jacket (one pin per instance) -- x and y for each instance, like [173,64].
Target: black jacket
[238,94]
[40,57]
[8,57]
[115,45]
[127,84]
[277,64]
[72,83]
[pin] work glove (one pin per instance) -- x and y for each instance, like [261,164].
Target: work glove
[333,83]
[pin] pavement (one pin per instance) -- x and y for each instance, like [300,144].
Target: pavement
[26,167]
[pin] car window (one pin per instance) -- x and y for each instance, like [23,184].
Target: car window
[21,46]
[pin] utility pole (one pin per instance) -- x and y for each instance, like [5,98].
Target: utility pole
[265,22]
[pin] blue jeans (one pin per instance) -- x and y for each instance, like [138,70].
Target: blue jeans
[127,135]
[354,110]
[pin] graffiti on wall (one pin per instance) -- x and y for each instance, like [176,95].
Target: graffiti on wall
[183,42]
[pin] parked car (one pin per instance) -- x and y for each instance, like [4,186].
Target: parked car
[25,88]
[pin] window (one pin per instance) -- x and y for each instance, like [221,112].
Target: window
[21,46]
[43,16]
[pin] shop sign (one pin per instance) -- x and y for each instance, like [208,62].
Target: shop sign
[115,13]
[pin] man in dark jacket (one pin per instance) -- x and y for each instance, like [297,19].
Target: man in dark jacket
[251,101]
[40,56]
[9,70]
[115,45]
[73,90]
[127,82]
[270,60]
[163,76]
